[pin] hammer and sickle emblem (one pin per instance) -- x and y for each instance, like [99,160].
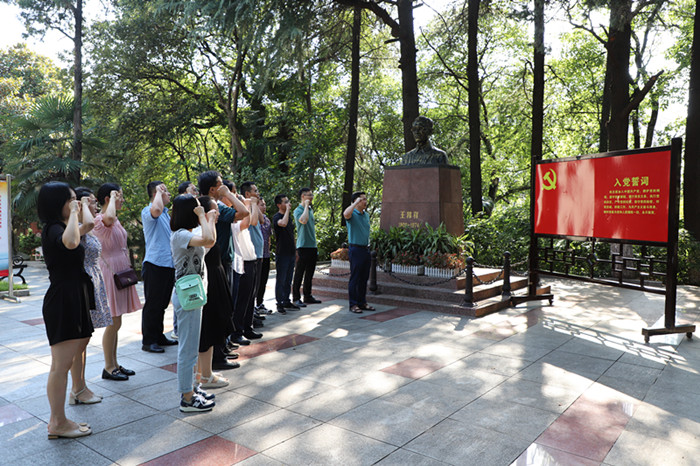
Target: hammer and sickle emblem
[549,180]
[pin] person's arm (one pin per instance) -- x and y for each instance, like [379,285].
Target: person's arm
[254,212]
[207,239]
[285,218]
[245,223]
[71,235]
[347,213]
[157,204]
[109,216]
[236,203]
[88,222]
[304,217]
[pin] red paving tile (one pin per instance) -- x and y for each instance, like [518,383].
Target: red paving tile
[537,455]
[170,367]
[389,315]
[38,321]
[11,413]
[592,424]
[414,368]
[269,346]
[212,451]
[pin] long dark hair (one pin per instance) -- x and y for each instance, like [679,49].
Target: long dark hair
[183,215]
[52,198]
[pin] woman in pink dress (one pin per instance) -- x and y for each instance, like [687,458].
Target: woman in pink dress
[114,259]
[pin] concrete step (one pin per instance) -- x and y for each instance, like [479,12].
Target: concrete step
[413,288]
[481,308]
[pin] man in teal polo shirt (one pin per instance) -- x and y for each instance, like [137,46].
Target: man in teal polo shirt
[307,250]
[357,221]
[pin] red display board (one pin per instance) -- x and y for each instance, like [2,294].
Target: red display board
[622,197]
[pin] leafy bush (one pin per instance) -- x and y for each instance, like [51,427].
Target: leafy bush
[441,260]
[688,258]
[417,242]
[507,229]
[406,258]
[27,242]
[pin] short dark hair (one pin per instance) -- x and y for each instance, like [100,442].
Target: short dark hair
[52,198]
[183,186]
[229,184]
[151,188]
[206,202]
[357,194]
[246,187]
[82,191]
[303,190]
[105,190]
[279,197]
[183,215]
[207,180]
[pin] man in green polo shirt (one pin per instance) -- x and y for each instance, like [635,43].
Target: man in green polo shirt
[307,250]
[357,221]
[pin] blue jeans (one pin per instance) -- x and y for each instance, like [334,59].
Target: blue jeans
[189,327]
[285,271]
[359,274]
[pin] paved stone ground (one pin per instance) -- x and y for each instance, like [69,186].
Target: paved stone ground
[571,383]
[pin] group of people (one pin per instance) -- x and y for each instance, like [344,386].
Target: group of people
[214,231]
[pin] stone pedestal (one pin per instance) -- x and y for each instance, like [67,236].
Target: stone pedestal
[414,195]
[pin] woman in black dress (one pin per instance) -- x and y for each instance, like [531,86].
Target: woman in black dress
[68,300]
[216,315]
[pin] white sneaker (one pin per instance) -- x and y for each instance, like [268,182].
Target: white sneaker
[214,381]
[196,404]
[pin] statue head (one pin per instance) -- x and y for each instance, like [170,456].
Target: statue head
[422,129]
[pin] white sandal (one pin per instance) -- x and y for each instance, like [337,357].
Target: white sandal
[213,381]
[74,400]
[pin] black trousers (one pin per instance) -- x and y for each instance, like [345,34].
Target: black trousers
[304,271]
[243,311]
[262,283]
[158,285]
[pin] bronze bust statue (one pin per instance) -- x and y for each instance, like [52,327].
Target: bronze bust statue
[424,153]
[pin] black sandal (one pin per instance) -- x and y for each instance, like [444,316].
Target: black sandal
[356,309]
[367,307]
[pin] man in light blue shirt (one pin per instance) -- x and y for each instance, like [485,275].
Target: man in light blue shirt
[158,270]
[307,249]
[357,221]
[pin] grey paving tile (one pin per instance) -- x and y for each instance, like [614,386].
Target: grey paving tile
[580,364]
[162,396]
[550,374]
[389,422]
[327,444]
[143,378]
[144,440]
[269,430]
[332,403]
[284,390]
[501,415]
[457,443]
[402,457]
[527,352]
[330,372]
[231,410]
[488,362]
[260,460]
[460,375]
[441,399]
[653,421]
[536,394]
[674,400]
[632,449]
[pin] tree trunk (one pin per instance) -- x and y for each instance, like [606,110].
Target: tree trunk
[352,109]
[605,111]
[619,46]
[474,122]
[538,84]
[409,76]
[77,90]
[691,187]
[652,121]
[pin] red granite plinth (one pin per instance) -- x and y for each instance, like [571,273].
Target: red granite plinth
[415,195]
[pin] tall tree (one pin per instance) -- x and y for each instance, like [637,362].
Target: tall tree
[474,117]
[65,17]
[353,108]
[402,31]
[691,187]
